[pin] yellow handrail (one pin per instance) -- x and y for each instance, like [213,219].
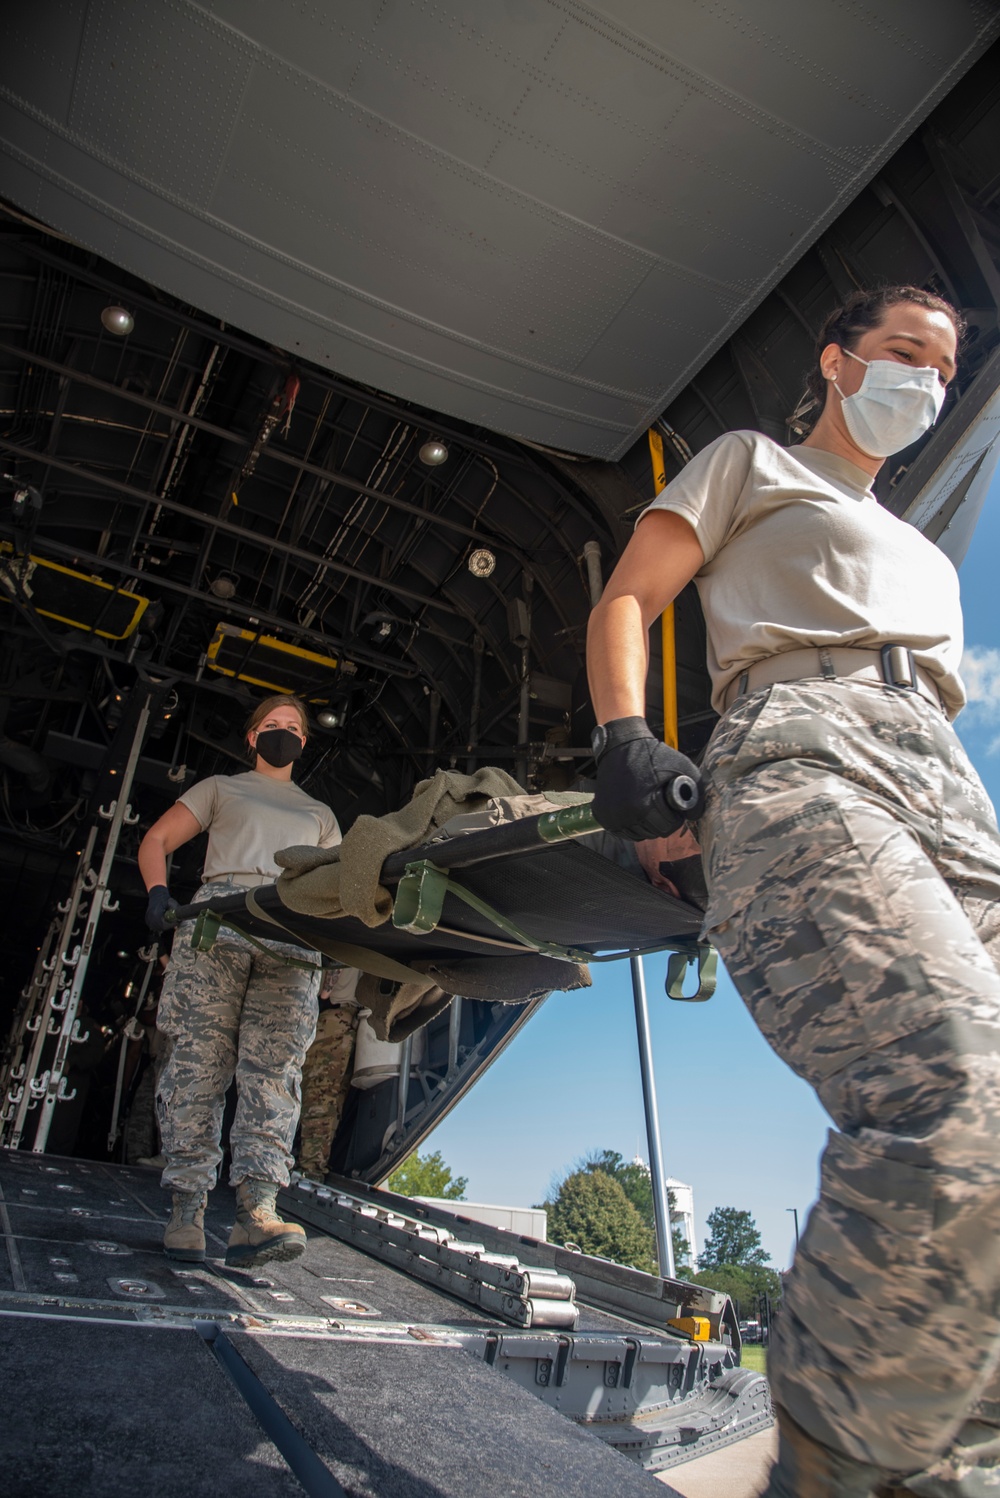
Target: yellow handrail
[667,633]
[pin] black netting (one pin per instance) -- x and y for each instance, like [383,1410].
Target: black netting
[574,896]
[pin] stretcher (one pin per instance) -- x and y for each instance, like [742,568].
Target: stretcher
[527,886]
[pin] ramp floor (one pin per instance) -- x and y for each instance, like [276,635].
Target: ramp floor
[122,1373]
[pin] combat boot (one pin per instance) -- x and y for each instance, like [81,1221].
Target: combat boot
[184,1237]
[259,1234]
[805,1469]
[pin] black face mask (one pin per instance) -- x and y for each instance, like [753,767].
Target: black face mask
[279,747]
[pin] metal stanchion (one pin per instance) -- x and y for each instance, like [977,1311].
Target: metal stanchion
[661,1206]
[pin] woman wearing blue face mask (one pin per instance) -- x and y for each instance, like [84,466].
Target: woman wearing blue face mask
[853,865]
[237,1010]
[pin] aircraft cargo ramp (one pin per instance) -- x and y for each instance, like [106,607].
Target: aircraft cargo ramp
[121,1372]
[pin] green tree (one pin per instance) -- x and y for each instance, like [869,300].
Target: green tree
[636,1181]
[743,1283]
[427,1175]
[592,1211]
[733,1239]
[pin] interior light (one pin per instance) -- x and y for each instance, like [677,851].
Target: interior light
[481,561]
[223,586]
[328,717]
[433,453]
[118,320]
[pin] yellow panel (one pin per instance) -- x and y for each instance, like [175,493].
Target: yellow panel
[326,664]
[141,604]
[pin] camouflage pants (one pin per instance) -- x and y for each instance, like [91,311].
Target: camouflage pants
[326,1081]
[140,1137]
[234,1011]
[853,864]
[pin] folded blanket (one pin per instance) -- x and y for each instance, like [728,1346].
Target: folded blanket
[330,882]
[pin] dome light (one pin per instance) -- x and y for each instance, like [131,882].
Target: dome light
[433,453]
[223,586]
[118,320]
[328,717]
[481,562]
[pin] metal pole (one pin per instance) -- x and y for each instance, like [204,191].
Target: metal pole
[477,697]
[524,707]
[45,1024]
[119,813]
[29,1006]
[454,1033]
[432,730]
[795,1217]
[403,1090]
[128,1035]
[592,558]
[661,1207]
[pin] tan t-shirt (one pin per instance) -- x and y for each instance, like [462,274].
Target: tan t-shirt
[250,816]
[798,552]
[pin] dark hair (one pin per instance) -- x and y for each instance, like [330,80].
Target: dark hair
[862,311]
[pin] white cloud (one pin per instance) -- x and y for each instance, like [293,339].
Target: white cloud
[981,674]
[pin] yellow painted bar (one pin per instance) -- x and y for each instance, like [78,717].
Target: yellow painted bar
[667,617]
[699,1328]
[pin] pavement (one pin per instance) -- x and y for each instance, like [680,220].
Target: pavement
[737,1471]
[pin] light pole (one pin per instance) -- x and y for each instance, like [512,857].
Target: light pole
[795,1216]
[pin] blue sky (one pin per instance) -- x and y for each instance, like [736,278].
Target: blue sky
[734,1121]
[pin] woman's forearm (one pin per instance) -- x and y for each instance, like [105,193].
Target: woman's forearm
[152,861]
[661,558]
[617,659]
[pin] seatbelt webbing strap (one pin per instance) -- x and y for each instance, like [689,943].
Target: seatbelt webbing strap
[362,958]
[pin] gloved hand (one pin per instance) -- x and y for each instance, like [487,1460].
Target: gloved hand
[638,792]
[161,905]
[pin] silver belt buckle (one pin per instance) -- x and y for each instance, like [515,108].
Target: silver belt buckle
[899,669]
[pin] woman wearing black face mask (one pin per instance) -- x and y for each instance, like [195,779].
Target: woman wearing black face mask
[237,1010]
[853,866]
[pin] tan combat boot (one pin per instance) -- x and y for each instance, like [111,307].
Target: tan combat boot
[185,1233]
[259,1234]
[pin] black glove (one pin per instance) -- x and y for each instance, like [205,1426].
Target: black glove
[159,911]
[644,788]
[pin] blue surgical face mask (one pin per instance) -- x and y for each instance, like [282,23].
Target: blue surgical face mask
[895,405]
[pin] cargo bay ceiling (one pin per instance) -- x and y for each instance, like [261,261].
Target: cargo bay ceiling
[540,217]
[337,236]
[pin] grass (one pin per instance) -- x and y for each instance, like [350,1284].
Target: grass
[755,1357]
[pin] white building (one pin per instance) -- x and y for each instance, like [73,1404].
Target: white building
[529,1222]
[682,1212]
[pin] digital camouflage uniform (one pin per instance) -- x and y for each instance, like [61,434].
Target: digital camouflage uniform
[853,862]
[141,1134]
[234,1011]
[326,1081]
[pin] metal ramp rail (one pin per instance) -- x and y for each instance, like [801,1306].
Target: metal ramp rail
[661,1384]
